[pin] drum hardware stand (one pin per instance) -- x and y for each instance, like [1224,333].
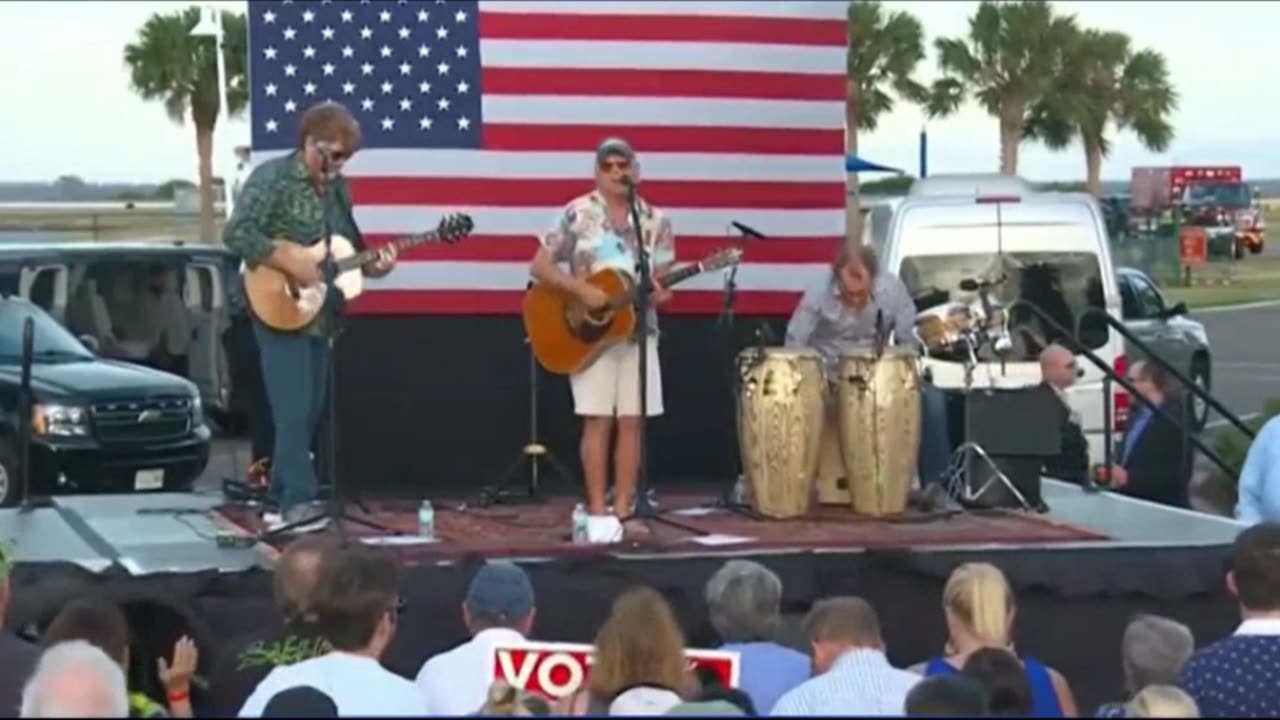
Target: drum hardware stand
[335,511]
[644,509]
[533,453]
[957,478]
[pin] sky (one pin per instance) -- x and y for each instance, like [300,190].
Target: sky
[70,110]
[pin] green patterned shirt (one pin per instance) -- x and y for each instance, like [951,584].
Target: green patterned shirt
[279,202]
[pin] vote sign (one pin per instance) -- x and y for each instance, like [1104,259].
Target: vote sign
[556,670]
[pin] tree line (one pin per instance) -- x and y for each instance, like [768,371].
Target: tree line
[1038,72]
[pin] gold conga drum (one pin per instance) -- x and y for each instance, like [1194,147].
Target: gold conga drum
[779,426]
[879,409]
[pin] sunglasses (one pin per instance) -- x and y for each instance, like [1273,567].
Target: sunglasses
[615,165]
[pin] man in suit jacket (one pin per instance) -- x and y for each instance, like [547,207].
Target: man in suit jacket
[1058,371]
[1153,463]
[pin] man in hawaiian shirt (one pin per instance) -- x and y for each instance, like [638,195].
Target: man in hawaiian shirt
[595,232]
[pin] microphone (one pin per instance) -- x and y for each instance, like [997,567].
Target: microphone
[627,181]
[748,230]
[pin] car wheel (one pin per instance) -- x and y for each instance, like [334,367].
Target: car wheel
[1200,408]
[8,474]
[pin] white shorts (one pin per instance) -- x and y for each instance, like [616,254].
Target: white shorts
[610,386]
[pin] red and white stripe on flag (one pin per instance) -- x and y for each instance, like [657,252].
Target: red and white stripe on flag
[736,110]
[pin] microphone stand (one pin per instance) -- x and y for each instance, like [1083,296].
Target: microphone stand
[335,505]
[728,498]
[25,402]
[644,509]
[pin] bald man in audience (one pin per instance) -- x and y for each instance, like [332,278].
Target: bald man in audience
[294,638]
[1058,371]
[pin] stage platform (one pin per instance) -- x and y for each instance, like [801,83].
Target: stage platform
[1081,571]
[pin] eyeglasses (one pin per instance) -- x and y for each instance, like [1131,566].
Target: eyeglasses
[608,165]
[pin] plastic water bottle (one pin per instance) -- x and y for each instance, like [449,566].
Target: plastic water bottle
[427,521]
[579,522]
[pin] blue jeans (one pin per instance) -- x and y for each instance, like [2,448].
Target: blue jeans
[935,435]
[295,371]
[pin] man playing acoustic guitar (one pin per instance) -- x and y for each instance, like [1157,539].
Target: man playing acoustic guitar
[595,232]
[282,200]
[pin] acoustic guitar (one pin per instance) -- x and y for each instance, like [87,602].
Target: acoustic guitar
[566,336]
[279,303]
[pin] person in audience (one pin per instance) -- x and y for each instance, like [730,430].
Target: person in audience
[979,608]
[498,610]
[947,696]
[852,676]
[1258,490]
[103,625]
[1058,371]
[300,702]
[1239,676]
[504,700]
[17,656]
[1003,681]
[712,690]
[75,679]
[1154,463]
[709,708]
[355,603]
[744,599]
[639,666]
[1162,701]
[1153,651]
[246,660]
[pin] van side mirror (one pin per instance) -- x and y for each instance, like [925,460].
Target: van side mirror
[90,343]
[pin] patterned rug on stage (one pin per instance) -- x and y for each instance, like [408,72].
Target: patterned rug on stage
[541,530]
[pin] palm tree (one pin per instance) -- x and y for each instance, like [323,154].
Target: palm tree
[1105,81]
[884,49]
[1008,62]
[166,63]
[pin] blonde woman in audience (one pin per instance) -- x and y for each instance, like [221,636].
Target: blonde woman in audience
[1162,701]
[505,700]
[979,608]
[639,666]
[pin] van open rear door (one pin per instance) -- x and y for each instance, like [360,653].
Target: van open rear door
[204,297]
[46,286]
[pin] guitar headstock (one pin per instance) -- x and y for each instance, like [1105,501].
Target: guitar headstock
[454,227]
[722,259]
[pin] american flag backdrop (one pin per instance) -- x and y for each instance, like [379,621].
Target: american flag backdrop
[736,110]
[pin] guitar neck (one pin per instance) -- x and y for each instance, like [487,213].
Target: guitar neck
[667,280]
[361,259]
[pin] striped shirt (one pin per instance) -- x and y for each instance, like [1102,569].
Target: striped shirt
[860,682]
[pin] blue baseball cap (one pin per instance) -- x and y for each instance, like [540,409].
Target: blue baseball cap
[500,590]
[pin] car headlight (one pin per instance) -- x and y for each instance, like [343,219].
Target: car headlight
[197,410]
[53,420]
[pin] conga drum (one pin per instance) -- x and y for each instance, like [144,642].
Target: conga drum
[779,419]
[878,400]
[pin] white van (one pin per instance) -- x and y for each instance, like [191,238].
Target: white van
[1051,249]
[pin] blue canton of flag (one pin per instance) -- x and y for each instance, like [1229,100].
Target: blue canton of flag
[409,72]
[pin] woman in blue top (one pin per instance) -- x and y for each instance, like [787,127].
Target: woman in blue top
[979,608]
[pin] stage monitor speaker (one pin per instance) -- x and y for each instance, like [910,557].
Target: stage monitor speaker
[1019,429]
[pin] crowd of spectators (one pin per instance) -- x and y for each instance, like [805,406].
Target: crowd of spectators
[339,608]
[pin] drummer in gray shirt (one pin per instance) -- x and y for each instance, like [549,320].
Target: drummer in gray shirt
[841,314]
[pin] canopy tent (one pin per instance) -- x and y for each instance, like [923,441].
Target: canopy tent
[853,163]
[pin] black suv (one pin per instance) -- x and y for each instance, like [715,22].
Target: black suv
[97,425]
